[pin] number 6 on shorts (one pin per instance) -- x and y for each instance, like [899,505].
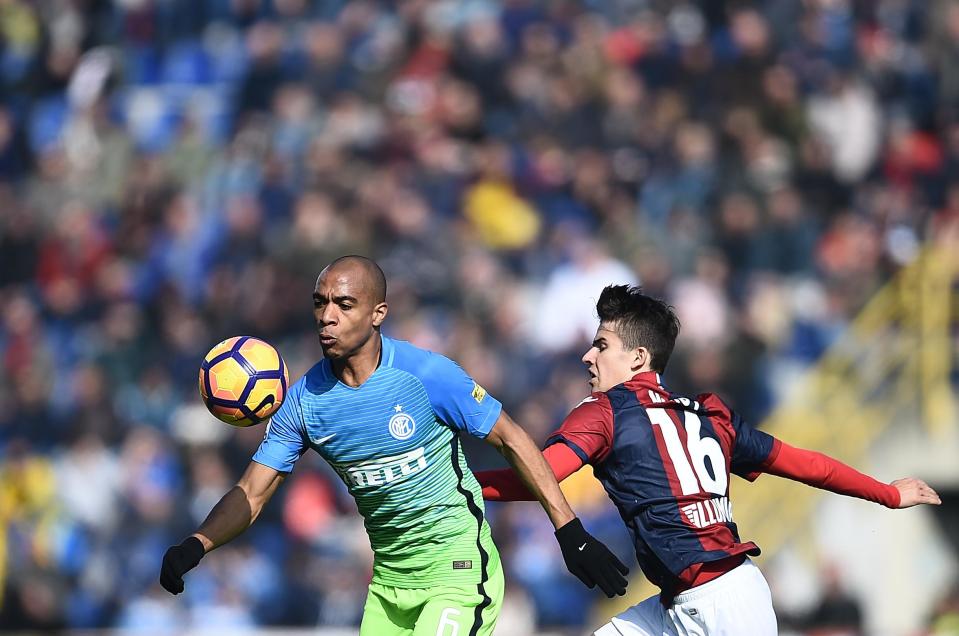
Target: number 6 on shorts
[447,619]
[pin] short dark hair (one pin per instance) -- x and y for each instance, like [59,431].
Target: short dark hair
[640,321]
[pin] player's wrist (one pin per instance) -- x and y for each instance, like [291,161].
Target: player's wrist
[562,518]
[193,548]
[893,497]
[570,531]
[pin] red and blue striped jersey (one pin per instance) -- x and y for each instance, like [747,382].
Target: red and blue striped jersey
[665,462]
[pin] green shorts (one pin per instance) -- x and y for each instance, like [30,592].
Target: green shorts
[442,610]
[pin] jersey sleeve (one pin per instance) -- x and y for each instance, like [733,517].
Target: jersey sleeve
[822,471]
[505,485]
[751,449]
[588,429]
[285,440]
[456,398]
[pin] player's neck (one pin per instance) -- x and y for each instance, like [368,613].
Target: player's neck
[358,367]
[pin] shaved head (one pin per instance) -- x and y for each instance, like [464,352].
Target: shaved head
[349,305]
[365,273]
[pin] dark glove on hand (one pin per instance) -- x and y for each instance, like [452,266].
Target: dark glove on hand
[179,560]
[590,560]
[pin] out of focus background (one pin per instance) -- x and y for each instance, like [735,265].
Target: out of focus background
[175,172]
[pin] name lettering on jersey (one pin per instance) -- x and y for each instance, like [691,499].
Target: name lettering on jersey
[684,401]
[402,425]
[478,393]
[705,513]
[385,470]
[690,404]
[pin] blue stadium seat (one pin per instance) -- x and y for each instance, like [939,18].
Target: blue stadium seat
[187,62]
[46,122]
[141,65]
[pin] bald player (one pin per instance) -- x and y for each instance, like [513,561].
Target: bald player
[387,417]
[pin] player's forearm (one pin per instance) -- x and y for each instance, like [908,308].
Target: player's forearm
[538,477]
[234,513]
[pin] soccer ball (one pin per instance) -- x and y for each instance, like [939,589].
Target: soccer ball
[243,381]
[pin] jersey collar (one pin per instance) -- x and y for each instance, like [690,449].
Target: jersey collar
[649,380]
[387,351]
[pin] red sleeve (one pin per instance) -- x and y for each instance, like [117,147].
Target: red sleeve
[822,471]
[588,429]
[505,485]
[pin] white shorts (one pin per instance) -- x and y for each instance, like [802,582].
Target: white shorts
[737,603]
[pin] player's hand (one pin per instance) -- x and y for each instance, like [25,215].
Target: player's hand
[913,491]
[590,560]
[179,560]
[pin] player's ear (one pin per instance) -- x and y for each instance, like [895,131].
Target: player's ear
[641,358]
[379,313]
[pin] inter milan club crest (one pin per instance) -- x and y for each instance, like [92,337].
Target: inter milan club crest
[402,425]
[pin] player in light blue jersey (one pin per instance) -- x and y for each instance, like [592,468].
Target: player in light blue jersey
[387,416]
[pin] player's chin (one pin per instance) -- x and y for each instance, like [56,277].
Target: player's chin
[330,350]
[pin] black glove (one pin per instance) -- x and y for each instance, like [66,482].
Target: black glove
[179,560]
[590,560]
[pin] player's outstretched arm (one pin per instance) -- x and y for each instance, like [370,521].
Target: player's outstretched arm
[233,514]
[240,506]
[588,559]
[913,491]
[822,471]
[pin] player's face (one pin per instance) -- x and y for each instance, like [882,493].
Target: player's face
[608,362]
[345,312]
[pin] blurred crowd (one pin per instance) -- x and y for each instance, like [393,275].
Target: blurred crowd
[175,172]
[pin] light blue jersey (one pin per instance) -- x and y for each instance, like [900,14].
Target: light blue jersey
[394,442]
